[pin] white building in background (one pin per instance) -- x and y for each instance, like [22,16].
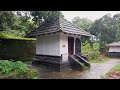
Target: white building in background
[114,49]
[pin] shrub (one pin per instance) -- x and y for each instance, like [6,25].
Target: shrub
[29,74]
[18,69]
[91,50]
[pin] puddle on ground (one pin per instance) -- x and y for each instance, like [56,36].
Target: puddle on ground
[49,74]
[95,72]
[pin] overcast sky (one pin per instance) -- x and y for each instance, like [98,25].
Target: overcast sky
[92,15]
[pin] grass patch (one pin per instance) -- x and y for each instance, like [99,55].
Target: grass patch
[114,73]
[116,68]
[30,74]
[101,59]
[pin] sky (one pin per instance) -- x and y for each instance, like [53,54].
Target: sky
[92,15]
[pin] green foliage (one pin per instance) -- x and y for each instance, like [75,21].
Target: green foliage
[24,22]
[15,24]
[22,26]
[18,69]
[83,23]
[8,66]
[101,59]
[29,74]
[40,17]
[106,29]
[114,73]
[117,67]
[43,16]
[91,50]
[6,19]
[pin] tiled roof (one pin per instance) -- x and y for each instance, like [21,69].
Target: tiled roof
[114,44]
[58,25]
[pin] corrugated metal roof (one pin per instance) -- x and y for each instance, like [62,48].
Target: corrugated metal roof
[114,44]
[58,25]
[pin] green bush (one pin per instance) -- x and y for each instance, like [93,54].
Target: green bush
[29,74]
[91,50]
[17,70]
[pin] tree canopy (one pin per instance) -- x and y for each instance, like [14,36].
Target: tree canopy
[106,29]
[43,16]
[83,23]
[19,23]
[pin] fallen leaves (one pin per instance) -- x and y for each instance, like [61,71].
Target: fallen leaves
[114,75]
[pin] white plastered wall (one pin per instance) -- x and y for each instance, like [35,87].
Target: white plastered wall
[114,49]
[48,44]
[64,45]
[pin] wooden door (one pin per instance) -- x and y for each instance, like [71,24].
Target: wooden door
[70,45]
[77,46]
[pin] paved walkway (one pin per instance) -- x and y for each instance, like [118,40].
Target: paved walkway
[95,72]
[99,69]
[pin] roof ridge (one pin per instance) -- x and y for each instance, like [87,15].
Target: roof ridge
[74,26]
[77,27]
[59,24]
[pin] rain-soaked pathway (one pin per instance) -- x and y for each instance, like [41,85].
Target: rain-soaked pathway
[99,69]
[95,72]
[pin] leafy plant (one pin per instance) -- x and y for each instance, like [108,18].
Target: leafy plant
[91,50]
[18,70]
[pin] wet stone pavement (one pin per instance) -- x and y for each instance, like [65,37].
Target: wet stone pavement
[95,72]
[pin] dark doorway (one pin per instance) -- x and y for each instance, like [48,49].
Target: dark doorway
[77,46]
[70,45]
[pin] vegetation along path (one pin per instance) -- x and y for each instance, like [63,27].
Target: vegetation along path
[99,69]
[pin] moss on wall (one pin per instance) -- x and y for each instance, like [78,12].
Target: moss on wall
[16,49]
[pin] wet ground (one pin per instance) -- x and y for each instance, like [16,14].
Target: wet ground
[99,69]
[95,72]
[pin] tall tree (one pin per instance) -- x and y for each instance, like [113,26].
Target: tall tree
[6,19]
[19,23]
[83,23]
[16,24]
[23,26]
[103,30]
[43,16]
[116,26]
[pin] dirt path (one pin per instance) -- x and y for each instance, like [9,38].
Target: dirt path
[99,69]
[95,72]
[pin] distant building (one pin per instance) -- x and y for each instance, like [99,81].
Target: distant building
[114,49]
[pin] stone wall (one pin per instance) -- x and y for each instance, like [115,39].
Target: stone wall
[17,49]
